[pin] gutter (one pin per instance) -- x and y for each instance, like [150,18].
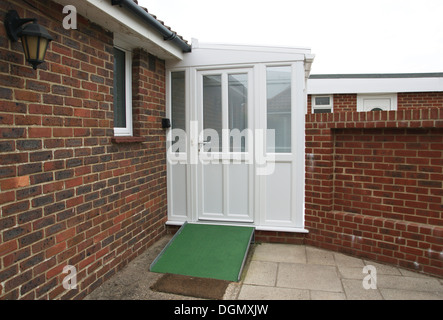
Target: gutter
[168,35]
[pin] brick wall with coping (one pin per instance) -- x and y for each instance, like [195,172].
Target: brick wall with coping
[71,193]
[374,186]
[405,101]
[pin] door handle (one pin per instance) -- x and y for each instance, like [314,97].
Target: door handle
[202,143]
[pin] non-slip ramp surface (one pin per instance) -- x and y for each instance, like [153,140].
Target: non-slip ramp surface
[206,251]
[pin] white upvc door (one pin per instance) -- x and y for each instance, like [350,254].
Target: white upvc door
[225,172]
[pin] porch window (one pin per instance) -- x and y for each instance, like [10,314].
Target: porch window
[122,92]
[178,109]
[278,92]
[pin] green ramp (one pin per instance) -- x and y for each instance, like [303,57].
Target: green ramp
[206,251]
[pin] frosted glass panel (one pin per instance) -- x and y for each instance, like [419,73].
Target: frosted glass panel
[212,109]
[278,92]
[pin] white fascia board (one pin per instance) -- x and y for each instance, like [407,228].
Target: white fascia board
[244,47]
[225,54]
[309,59]
[121,21]
[388,85]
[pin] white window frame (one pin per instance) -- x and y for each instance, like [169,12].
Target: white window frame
[330,106]
[126,131]
[362,97]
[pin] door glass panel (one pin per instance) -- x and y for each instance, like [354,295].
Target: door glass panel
[212,112]
[278,91]
[237,113]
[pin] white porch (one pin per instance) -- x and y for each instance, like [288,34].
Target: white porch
[224,164]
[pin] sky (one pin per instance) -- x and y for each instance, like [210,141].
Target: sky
[346,36]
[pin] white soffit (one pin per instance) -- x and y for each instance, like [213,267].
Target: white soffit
[121,21]
[375,85]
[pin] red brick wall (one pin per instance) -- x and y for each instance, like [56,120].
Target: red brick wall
[405,101]
[413,100]
[374,186]
[279,237]
[345,102]
[69,193]
[389,172]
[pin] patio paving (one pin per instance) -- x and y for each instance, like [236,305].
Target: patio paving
[285,272]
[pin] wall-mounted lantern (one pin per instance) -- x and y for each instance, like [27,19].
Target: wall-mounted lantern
[35,38]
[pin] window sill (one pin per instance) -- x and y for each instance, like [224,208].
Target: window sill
[117,139]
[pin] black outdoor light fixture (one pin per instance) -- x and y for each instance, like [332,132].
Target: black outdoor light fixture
[166,123]
[35,38]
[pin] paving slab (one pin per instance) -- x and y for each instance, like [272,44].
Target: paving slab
[355,273]
[252,292]
[354,290]
[327,295]
[413,274]
[305,276]
[280,253]
[395,294]
[384,269]
[262,273]
[422,284]
[342,260]
[319,256]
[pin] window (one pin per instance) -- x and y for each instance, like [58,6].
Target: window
[178,108]
[322,104]
[278,93]
[238,109]
[376,102]
[122,92]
